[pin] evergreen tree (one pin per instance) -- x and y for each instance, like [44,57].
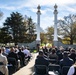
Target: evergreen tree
[15,26]
[31,29]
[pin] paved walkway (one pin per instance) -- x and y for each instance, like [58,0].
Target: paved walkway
[29,69]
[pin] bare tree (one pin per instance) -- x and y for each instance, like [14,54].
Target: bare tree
[68,27]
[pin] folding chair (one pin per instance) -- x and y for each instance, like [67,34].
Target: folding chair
[12,65]
[12,61]
[41,70]
[53,61]
[54,68]
[65,70]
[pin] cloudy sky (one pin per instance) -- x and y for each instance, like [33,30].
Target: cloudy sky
[29,8]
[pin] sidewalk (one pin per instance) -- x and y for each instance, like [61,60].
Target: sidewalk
[29,68]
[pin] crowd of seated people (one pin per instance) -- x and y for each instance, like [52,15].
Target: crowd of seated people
[47,56]
[14,56]
[63,58]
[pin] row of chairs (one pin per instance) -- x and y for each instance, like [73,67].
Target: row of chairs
[12,65]
[52,69]
[11,68]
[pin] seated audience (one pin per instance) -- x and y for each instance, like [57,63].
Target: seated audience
[53,55]
[66,61]
[41,60]
[7,50]
[72,54]
[60,55]
[21,56]
[27,53]
[45,50]
[12,54]
[4,51]
[3,59]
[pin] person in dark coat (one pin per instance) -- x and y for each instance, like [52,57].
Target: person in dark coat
[21,56]
[72,54]
[14,56]
[41,60]
[66,61]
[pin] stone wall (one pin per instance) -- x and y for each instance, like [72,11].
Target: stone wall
[66,45]
[31,45]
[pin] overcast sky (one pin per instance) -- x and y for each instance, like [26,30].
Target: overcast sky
[29,8]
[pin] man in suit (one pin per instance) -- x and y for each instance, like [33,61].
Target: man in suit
[3,60]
